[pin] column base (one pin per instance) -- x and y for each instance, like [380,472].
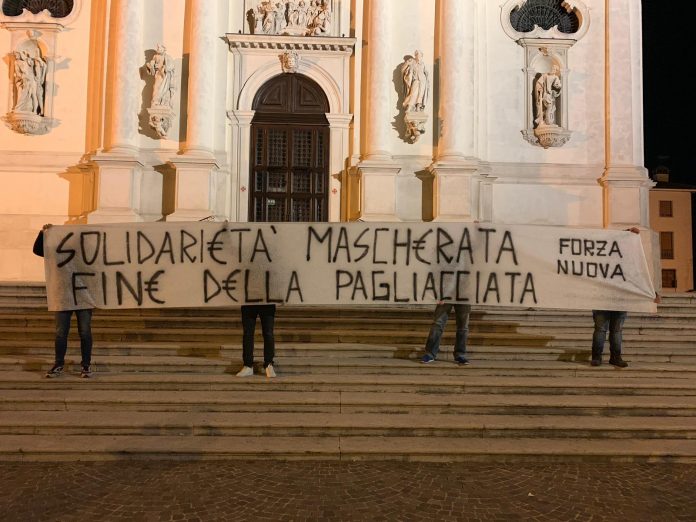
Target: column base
[456,191]
[626,196]
[196,189]
[377,186]
[117,188]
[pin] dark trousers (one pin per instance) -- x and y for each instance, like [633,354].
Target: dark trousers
[613,321]
[84,327]
[461,314]
[267,315]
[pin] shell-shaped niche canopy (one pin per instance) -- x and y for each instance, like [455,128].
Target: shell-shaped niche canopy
[557,19]
[56,8]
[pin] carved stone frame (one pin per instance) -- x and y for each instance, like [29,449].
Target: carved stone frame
[256,59]
[545,48]
[43,30]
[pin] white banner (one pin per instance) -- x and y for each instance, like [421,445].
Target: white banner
[146,265]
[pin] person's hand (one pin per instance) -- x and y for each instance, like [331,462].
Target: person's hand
[46,226]
[635,230]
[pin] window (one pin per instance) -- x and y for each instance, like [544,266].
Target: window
[666,209]
[666,245]
[669,278]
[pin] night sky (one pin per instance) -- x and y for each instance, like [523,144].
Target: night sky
[668,96]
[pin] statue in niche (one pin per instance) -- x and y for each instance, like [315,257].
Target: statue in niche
[29,80]
[416,86]
[162,68]
[416,83]
[547,88]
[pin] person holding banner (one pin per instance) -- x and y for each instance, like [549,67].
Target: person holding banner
[266,314]
[432,345]
[612,320]
[84,327]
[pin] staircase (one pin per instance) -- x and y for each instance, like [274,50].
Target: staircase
[350,387]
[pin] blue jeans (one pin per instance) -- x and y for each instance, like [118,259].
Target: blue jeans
[267,315]
[612,320]
[461,313]
[84,328]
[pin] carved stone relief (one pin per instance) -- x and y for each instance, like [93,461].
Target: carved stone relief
[161,112]
[416,88]
[293,17]
[289,61]
[546,29]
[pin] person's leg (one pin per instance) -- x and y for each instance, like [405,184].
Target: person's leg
[616,322]
[461,314]
[432,345]
[267,314]
[248,326]
[601,322]
[84,327]
[62,331]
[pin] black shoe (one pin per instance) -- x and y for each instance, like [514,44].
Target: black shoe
[86,372]
[596,362]
[54,372]
[618,362]
[461,360]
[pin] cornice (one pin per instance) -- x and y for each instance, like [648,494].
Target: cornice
[324,44]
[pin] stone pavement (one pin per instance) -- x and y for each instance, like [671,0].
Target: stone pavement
[297,491]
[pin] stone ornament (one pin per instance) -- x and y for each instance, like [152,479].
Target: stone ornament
[547,88]
[40,11]
[161,112]
[546,29]
[289,61]
[293,17]
[416,88]
[29,68]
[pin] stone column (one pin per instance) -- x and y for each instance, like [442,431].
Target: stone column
[118,170]
[377,172]
[625,180]
[455,180]
[197,171]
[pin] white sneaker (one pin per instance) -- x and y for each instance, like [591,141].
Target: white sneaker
[246,371]
[270,372]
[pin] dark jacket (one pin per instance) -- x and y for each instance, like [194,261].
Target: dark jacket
[38,244]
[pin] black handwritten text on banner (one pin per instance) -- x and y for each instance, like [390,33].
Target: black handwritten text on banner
[226,264]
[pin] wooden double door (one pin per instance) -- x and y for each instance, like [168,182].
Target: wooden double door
[289,178]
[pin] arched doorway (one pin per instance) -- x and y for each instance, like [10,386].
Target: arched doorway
[289,167]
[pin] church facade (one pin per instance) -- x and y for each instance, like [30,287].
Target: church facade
[512,112]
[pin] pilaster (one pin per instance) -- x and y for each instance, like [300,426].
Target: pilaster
[625,181]
[377,172]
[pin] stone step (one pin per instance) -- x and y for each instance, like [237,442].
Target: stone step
[352,314]
[281,335]
[32,324]
[329,335]
[86,447]
[258,424]
[601,383]
[90,400]
[352,365]
[34,349]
